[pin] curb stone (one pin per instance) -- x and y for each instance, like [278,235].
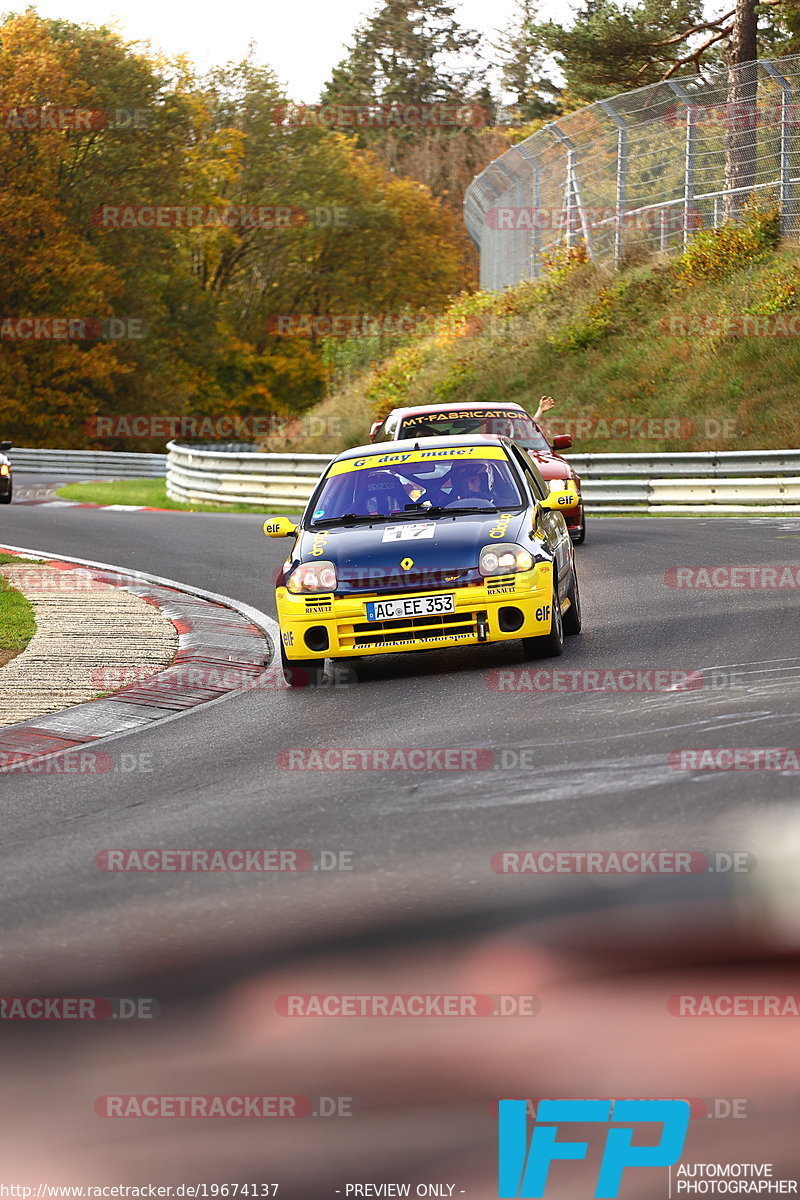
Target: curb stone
[218,638]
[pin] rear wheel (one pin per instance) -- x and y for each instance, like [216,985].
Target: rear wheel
[302,672]
[572,617]
[548,645]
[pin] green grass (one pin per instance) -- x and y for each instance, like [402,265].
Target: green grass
[17,622]
[149,492]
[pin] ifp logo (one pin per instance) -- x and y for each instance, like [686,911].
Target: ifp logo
[523,1171]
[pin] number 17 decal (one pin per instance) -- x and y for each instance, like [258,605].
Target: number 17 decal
[408,533]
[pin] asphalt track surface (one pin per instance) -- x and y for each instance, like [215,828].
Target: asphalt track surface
[571,770]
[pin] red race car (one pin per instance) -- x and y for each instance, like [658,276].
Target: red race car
[504,419]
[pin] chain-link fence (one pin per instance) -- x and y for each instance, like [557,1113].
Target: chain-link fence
[644,169]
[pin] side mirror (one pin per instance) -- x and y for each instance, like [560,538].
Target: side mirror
[6,445]
[279,527]
[563,498]
[373,430]
[562,442]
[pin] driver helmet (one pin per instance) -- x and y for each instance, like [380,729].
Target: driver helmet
[472,479]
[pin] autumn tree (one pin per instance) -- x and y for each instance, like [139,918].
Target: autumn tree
[48,384]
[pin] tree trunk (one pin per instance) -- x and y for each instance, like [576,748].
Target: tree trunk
[742,107]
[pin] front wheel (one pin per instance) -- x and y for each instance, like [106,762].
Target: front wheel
[6,499]
[302,672]
[548,645]
[572,617]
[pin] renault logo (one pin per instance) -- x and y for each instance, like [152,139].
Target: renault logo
[406,563]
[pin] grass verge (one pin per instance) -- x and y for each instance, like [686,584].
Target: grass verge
[152,493]
[17,622]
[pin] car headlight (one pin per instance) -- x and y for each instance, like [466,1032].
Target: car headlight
[5,469]
[313,577]
[504,559]
[557,484]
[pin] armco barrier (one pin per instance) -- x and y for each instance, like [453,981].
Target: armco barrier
[223,476]
[107,464]
[738,481]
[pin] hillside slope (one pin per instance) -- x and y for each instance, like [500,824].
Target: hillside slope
[697,352]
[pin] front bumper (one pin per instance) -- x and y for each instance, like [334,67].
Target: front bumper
[477,618]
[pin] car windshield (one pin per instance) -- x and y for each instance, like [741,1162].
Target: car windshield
[504,422]
[439,482]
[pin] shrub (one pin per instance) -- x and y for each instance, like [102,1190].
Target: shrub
[713,254]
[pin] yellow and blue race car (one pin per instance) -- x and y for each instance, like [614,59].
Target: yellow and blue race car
[424,545]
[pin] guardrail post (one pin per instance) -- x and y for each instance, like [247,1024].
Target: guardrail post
[690,159]
[786,187]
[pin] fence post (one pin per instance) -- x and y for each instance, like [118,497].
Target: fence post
[572,193]
[787,199]
[622,176]
[537,200]
[690,157]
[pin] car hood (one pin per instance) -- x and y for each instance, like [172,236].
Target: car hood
[440,550]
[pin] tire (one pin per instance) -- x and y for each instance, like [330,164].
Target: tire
[548,645]
[572,617]
[7,499]
[302,672]
[578,535]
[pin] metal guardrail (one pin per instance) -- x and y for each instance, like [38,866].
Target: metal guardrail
[708,463]
[220,476]
[645,168]
[738,481]
[107,464]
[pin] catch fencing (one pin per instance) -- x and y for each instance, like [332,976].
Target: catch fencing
[744,481]
[645,169]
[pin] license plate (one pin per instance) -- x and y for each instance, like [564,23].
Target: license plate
[414,606]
